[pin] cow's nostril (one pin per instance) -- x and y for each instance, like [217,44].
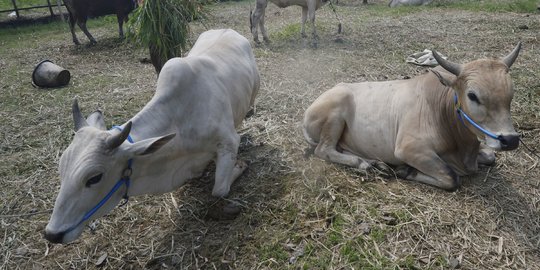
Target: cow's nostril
[54,237]
[509,142]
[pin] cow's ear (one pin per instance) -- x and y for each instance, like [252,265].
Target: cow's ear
[96,120]
[444,80]
[149,146]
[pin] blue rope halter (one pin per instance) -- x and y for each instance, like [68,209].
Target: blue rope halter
[125,179]
[461,114]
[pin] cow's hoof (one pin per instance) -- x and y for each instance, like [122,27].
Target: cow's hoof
[76,42]
[381,166]
[239,167]
[364,165]
[404,171]
[486,157]
[250,113]
[224,211]
[232,209]
[93,42]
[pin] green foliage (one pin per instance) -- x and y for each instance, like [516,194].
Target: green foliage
[164,25]
[288,32]
[273,251]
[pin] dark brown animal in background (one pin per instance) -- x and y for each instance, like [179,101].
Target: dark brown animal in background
[81,10]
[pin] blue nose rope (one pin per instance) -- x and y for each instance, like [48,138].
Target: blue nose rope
[125,179]
[461,114]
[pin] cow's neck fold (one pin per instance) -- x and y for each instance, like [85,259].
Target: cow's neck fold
[151,174]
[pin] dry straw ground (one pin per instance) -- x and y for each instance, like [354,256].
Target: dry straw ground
[297,212]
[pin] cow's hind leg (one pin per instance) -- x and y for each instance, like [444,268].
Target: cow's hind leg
[257,20]
[263,28]
[121,19]
[311,15]
[330,133]
[304,19]
[72,29]
[228,168]
[82,25]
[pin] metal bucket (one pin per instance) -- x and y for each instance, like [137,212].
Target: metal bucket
[47,74]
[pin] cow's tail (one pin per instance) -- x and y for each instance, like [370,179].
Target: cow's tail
[337,17]
[310,149]
[250,19]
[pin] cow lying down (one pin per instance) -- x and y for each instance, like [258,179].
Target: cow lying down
[428,128]
[191,120]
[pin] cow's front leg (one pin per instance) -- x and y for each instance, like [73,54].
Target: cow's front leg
[304,19]
[311,15]
[426,167]
[120,25]
[82,25]
[227,166]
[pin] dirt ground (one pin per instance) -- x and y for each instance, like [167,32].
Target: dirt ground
[297,212]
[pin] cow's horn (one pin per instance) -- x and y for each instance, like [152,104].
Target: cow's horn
[452,67]
[116,140]
[78,118]
[509,59]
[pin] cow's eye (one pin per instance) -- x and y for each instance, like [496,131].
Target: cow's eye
[473,97]
[94,180]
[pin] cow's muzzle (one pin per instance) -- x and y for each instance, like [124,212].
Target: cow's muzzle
[54,237]
[509,142]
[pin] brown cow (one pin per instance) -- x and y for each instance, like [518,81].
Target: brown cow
[429,127]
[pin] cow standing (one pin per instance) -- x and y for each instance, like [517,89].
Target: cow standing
[256,18]
[191,120]
[428,127]
[81,10]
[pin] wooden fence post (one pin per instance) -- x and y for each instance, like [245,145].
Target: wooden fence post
[15,7]
[59,3]
[50,8]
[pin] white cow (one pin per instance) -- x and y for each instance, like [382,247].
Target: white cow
[395,3]
[427,127]
[308,10]
[191,120]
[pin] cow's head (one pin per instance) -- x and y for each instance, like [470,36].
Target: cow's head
[484,90]
[89,168]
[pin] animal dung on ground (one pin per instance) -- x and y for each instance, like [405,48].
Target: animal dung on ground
[47,74]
